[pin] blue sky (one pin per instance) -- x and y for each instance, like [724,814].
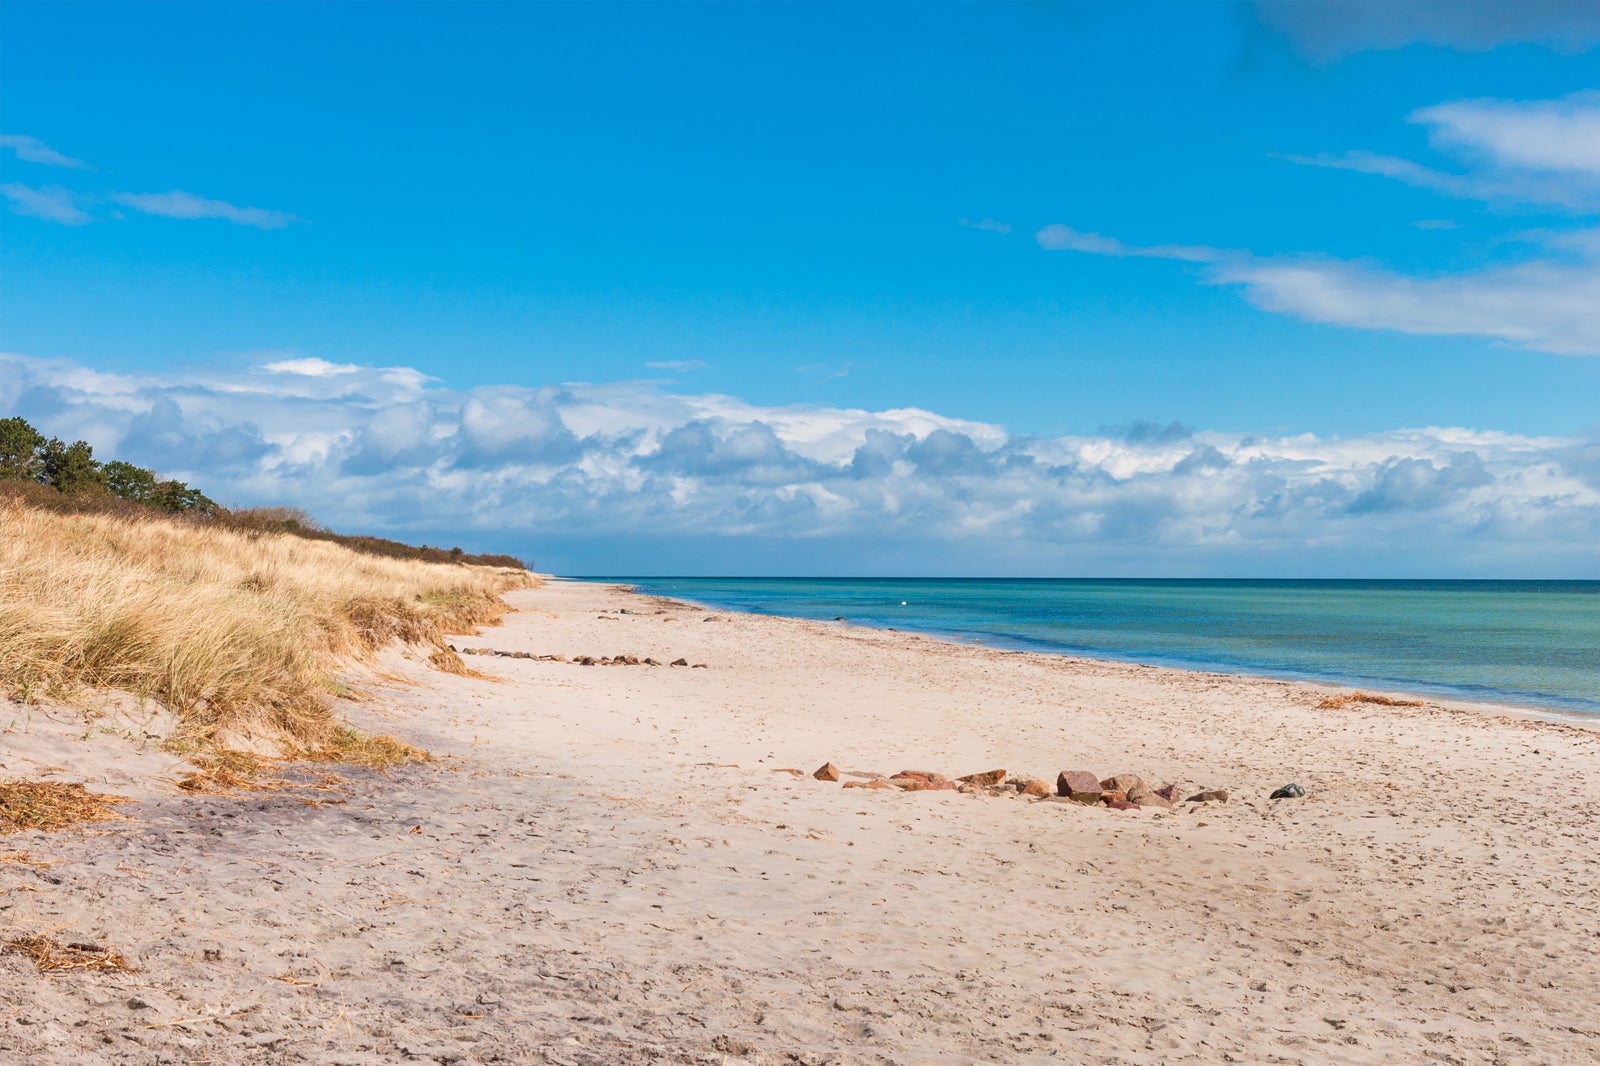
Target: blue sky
[648,279]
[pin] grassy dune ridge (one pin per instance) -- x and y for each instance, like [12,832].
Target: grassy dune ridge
[235,631]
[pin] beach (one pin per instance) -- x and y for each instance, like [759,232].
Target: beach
[609,863]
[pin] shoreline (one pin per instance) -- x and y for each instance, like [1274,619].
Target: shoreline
[611,864]
[1442,695]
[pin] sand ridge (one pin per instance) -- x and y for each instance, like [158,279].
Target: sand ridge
[603,867]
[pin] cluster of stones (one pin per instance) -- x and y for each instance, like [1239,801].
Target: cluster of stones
[582,660]
[1124,792]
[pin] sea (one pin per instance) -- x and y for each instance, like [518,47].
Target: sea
[1533,645]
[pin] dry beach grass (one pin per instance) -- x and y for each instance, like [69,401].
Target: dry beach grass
[235,632]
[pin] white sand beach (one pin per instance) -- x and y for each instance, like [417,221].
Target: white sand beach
[605,865]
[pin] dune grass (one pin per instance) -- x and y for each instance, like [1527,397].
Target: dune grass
[235,631]
[51,805]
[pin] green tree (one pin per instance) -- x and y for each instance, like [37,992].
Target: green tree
[129,482]
[19,449]
[71,468]
[176,496]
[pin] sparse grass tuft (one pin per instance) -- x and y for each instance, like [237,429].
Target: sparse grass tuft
[50,955]
[28,805]
[1365,697]
[235,630]
[375,751]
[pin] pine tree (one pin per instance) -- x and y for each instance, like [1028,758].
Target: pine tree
[71,468]
[19,449]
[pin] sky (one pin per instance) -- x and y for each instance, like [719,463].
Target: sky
[1132,289]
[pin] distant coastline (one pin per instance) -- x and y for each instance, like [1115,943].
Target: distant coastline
[1454,639]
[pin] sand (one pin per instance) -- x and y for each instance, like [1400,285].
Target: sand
[604,867]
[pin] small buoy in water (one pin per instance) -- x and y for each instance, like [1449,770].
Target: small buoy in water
[902,603]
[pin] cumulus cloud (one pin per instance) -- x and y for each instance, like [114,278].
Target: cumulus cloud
[628,463]
[186,205]
[33,150]
[1328,30]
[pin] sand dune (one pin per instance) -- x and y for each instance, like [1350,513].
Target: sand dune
[603,867]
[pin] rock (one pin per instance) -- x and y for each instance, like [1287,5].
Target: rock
[1148,797]
[1123,783]
[925,775]
[1211,795]
[987,777]
[791,771]
[1288,792]
[1088,799]
[1111,795]
[1036,786]
[838,618]
[876,783]
[922,785]
[1070,781]
[651,662]
[680,662]
[587,660]
[826,772]
[1170,793]
[1121,805]
[700,666]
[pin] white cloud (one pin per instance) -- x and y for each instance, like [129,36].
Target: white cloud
[678,366]
[185,205]
[53,203]
[1328,30]
[1552,135]
[310,367]
[583,465]
[1515,151]
[33,150]
[1550,304]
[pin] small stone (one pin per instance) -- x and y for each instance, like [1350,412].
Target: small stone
[1088,799]
[876,783]
[987,777]
[1123,783]
[1036,786]
[651,662]
[1111,795]
[826,772]
[791,771]
[1210,795]
[1148,797]
[587,660]
[1070,781]
[1170,793]
[680,662]
[925,775]
[1121,805]
[1288,792]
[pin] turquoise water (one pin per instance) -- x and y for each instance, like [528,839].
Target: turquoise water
[1532,643]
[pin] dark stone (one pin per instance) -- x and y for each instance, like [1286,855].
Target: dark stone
[1070,781]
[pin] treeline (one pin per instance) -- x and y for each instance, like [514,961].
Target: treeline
[71,469]
[47,473]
